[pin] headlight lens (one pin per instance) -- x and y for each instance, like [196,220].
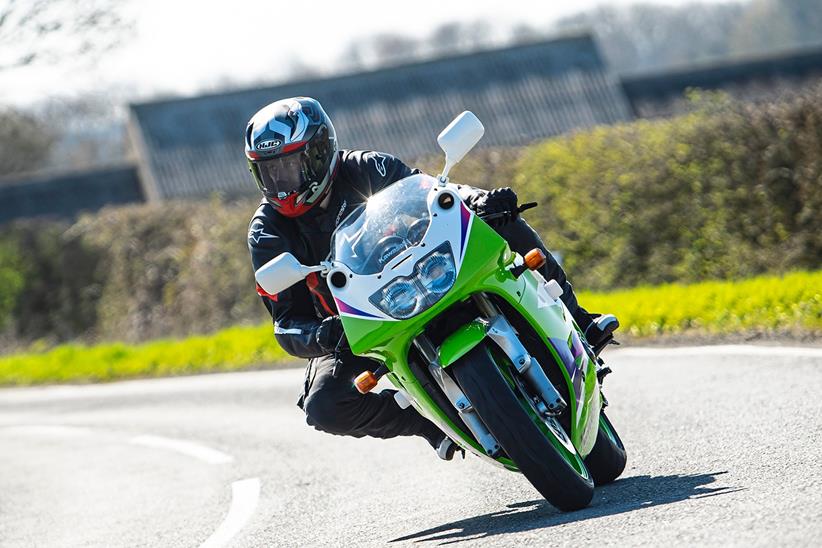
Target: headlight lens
[437,272]
[434,275]
[400,298]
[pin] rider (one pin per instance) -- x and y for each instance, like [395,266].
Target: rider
[308,187]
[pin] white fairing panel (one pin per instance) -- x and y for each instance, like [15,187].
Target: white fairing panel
[450,225]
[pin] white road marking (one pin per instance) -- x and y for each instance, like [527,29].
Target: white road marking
[722,350]
[244,496]
[205,454]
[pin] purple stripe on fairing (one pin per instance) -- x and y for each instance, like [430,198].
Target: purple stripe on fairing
[348,309]
[465,216]
[567,358]
[578,349]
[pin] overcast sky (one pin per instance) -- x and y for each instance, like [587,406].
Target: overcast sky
[184,46]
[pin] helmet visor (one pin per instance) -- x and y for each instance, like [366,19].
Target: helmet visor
[281,176]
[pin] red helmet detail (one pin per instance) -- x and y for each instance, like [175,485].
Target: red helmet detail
[293,146]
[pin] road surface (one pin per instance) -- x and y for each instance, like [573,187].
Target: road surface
[723,449]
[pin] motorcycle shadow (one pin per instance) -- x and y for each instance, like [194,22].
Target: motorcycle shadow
[624,495]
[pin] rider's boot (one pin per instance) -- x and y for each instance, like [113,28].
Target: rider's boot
[446,449]
[600,329]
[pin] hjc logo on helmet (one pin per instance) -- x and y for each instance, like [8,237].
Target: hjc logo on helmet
[265,145]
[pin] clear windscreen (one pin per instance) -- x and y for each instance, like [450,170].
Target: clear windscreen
[390,222]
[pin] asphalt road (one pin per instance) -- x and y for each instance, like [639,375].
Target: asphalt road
[723,449]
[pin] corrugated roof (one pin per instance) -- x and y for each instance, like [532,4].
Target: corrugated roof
[192,147]
[65,195]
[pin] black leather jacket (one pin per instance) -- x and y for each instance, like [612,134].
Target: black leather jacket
[298,311]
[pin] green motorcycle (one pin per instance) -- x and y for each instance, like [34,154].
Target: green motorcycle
[468,331]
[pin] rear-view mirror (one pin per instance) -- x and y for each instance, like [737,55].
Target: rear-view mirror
[458,138]
[282,272]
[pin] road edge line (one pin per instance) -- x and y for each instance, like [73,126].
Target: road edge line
[244,497]
[188,448]
[722,350]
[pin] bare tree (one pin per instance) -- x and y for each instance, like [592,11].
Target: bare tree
[25,142]
[353,57]
[447,37]
[779,24]
[392,48]
[459,37]
[524,33]
[48,31]
[646,36]
[91,130]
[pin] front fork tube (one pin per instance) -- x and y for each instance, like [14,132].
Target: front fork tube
[550,402]
[456,396]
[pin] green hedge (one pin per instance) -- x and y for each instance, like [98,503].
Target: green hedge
[131,273]
[729,191]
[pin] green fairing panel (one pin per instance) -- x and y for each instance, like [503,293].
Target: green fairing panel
[548,320]
[459,343]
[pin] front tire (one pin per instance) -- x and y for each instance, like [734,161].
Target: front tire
[513,425]
[607,459]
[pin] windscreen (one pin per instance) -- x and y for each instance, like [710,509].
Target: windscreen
[390,222]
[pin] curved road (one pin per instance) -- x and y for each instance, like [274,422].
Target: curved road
[724,448]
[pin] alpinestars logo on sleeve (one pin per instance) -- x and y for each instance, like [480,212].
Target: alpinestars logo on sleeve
[379,162]
[257,232]
[340,213]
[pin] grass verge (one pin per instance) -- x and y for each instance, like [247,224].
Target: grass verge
[790,303]
[778,304]
[227,350]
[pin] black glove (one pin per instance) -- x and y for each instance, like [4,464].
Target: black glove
[500,204]
[330,334]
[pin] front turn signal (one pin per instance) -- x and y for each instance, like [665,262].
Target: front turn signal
[365,382]
[535,259]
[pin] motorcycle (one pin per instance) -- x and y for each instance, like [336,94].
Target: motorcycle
[468,331]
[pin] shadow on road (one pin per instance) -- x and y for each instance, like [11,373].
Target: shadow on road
[626,495]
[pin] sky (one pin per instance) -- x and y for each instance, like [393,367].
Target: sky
[182,47]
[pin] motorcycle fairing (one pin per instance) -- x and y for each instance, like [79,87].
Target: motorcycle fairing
[450,225]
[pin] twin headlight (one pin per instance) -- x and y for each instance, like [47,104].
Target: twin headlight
[433,276]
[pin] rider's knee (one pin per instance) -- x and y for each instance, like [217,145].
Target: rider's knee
[326,414]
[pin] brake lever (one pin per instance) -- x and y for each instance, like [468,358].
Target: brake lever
[493,216]
[499,215]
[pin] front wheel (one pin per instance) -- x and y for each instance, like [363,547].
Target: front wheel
[541,451]
[607,459]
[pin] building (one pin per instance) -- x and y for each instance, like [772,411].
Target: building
[760,78]
[194,147]
[65,195]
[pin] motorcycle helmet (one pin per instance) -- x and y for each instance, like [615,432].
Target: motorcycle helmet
[291,148]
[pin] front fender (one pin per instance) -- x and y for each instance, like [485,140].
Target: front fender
[462,341]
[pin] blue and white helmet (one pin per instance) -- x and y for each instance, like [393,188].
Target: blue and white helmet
[291,148]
